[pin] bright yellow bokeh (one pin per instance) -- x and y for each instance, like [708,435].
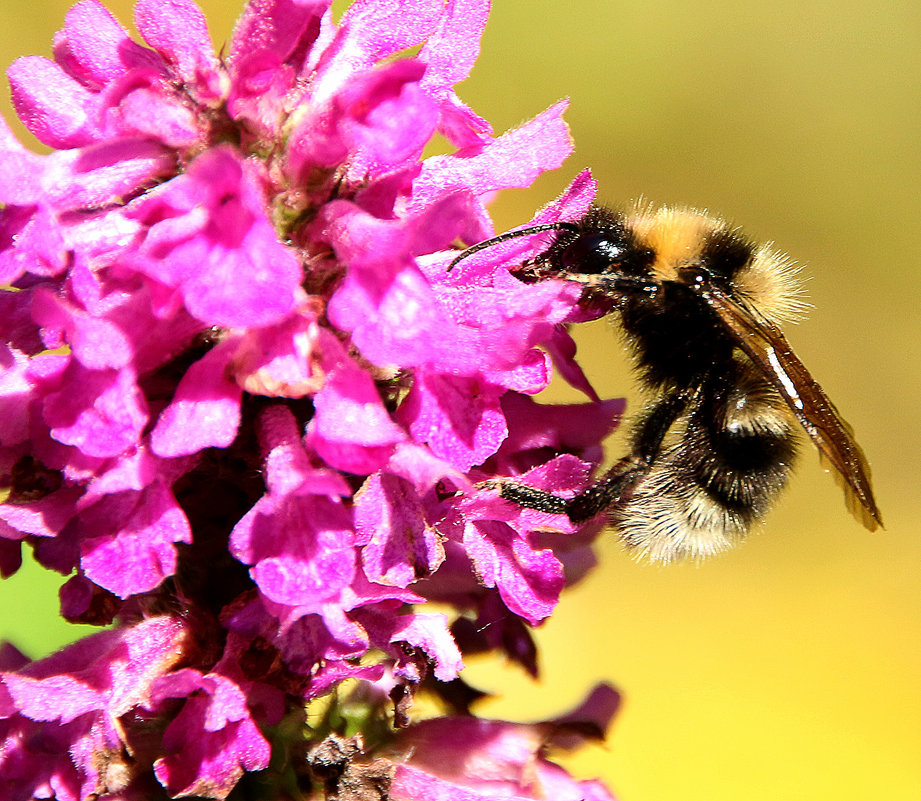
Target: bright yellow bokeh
[790,668]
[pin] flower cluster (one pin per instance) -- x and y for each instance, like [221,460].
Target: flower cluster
[248,411]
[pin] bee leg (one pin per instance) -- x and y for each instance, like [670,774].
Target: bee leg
[605,493]
[616,484]
[532,498]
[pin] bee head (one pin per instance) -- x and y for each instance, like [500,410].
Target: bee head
[601,244]
[645,251]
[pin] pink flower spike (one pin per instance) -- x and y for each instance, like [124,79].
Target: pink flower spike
[238,382]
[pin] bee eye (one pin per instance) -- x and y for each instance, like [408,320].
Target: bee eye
[593,253]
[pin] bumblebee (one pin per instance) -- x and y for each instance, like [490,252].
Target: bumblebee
[701,308]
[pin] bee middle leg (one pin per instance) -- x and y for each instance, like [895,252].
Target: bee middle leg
[615,486]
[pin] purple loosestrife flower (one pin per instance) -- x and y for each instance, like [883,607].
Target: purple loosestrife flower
[247,410]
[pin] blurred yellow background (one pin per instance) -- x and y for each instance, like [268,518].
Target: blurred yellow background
[791,667]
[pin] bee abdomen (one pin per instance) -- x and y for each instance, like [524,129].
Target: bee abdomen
[717,474]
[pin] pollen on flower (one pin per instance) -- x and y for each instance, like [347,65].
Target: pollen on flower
[245,407]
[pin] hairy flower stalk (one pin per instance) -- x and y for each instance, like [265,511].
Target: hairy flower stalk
[248,412]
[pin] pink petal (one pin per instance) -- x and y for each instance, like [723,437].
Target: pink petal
[515,159]
[15,389]
[300,548]
[97,343]
[110,671]
[419,466]
[454,46]
[95,49]
[401,546]
[388,116]
[412,784]
[212,741]
[290,359]
[134,471]
[370,31]
[53,106]
[205,411]
[101,412]
[141,552]
[177,30]
[528,580]
[210,238]
[45,517]
[274,26]
[351,430]
[289,467]
[460,419]
[429,632]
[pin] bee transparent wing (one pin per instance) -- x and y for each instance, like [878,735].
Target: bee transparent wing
[766,346]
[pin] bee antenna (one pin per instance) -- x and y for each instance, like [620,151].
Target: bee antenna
[488,243]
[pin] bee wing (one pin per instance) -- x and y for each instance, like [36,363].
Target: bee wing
[766,346]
